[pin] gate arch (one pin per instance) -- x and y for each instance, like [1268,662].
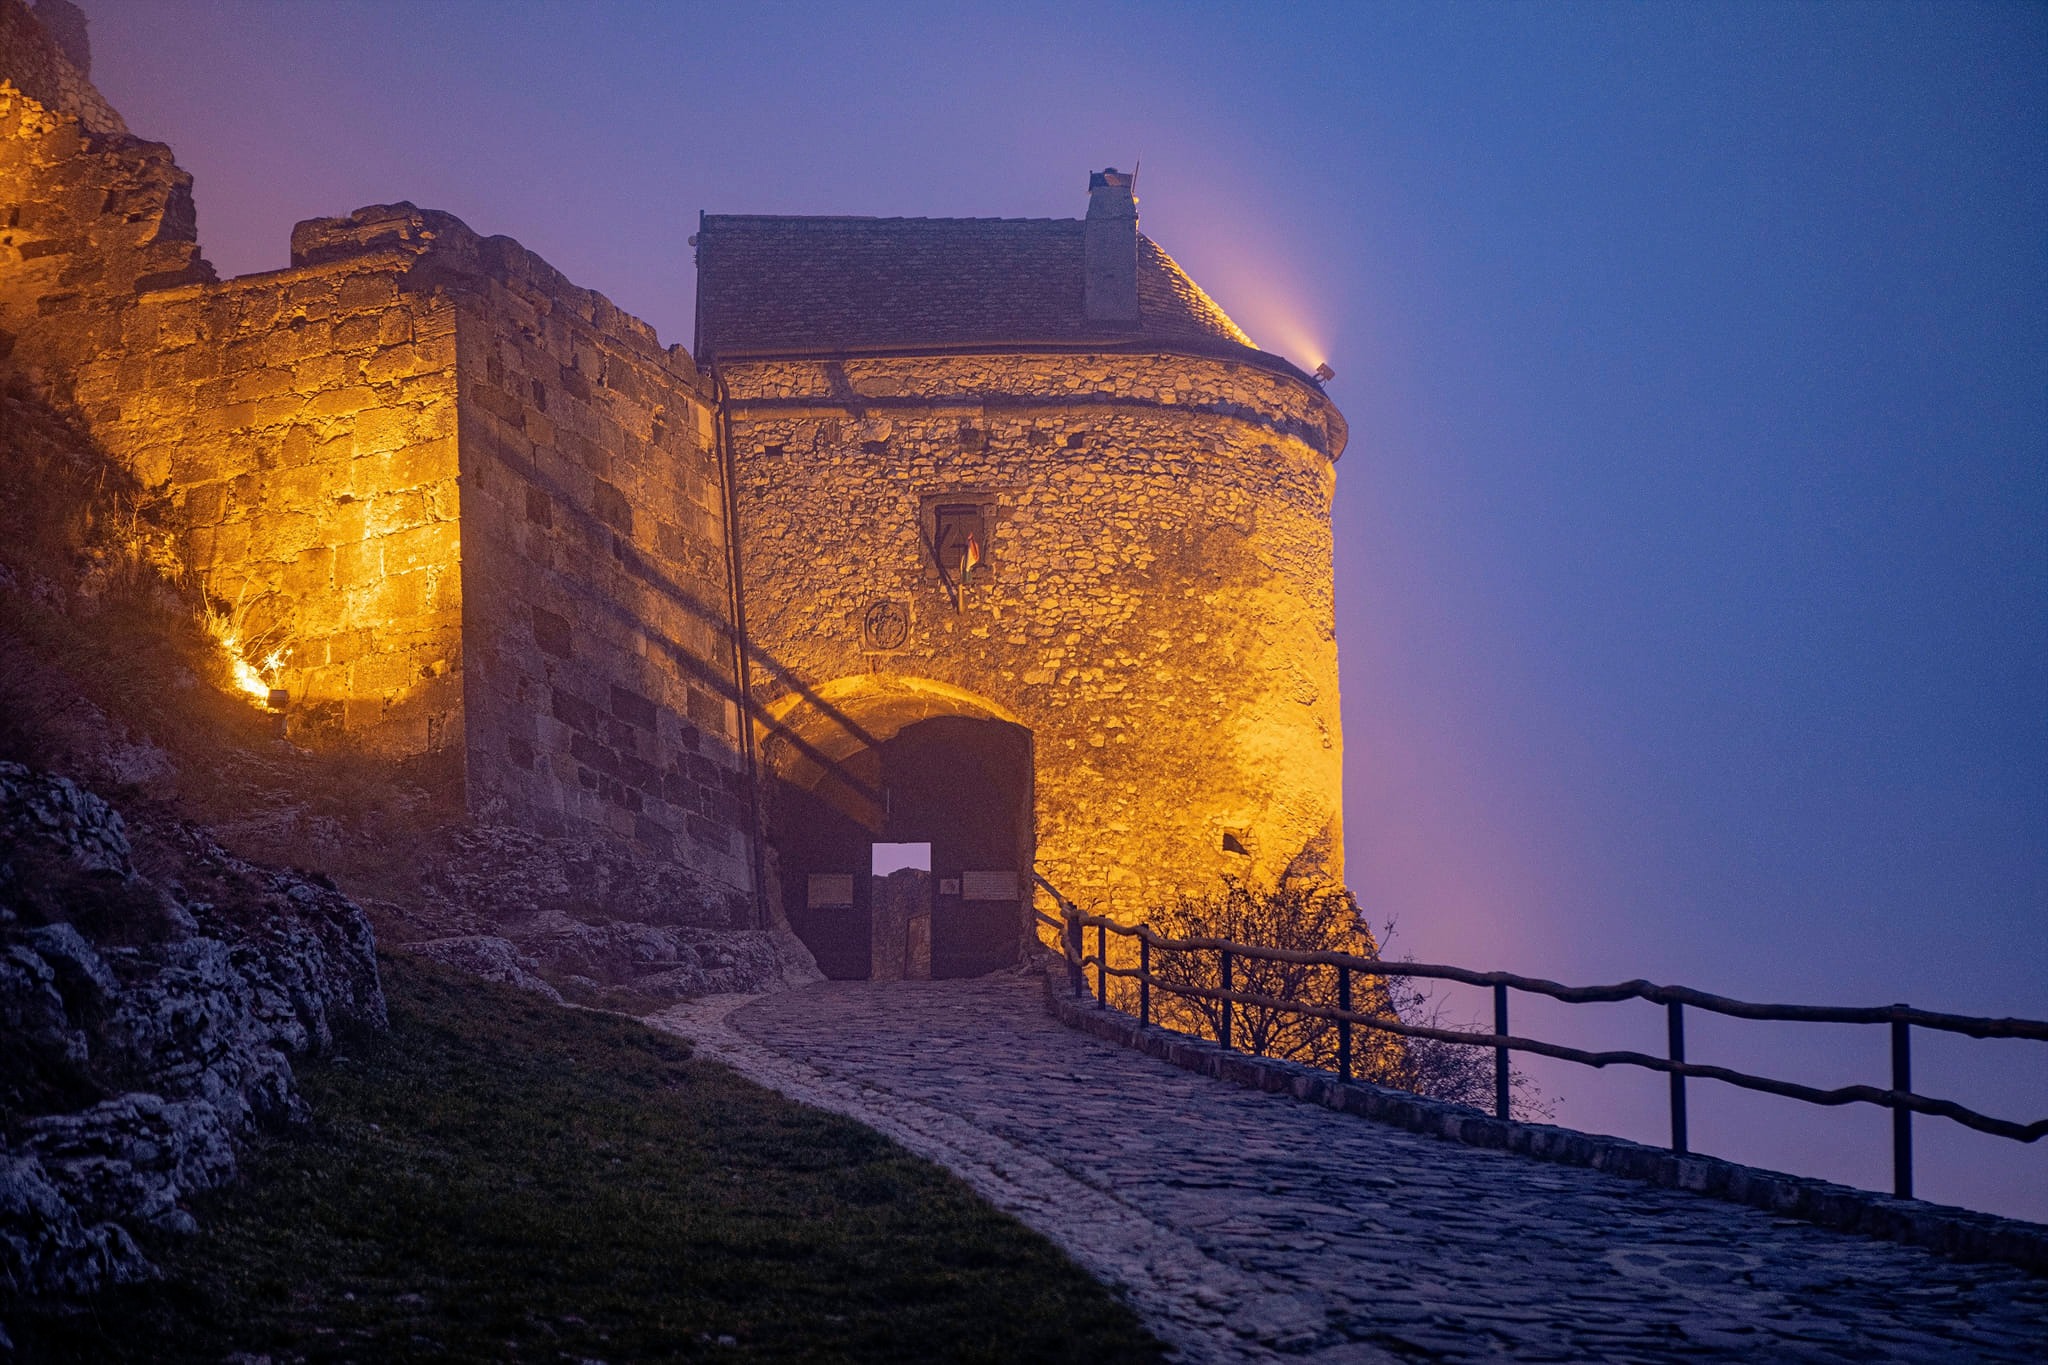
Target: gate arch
[901,759]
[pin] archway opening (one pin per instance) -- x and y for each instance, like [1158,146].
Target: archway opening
[868,764]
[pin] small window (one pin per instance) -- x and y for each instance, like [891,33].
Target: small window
[960,538]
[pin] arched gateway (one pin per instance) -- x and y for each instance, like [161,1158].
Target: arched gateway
[880,758]
[1034,552]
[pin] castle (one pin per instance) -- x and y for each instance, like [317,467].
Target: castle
[993,534]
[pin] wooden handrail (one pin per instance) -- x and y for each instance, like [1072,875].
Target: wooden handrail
[1972,1025]
[1900,1098]
[1848,1094]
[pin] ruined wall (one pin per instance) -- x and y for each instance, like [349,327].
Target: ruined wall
[87,220]
[1157,607]
[597,631]
[475,508]
[295,429]
[300,430]
[49,59]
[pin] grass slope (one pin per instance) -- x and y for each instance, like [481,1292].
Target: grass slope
[503,1180]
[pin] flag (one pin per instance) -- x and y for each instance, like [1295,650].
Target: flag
[970,558]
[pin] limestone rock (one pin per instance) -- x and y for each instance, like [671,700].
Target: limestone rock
[490,957]
[44,1244]
[150,1003]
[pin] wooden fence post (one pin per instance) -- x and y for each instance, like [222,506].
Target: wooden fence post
[1144,979]
[1902,1117]
[1675,1027]
[1223,1033]
[1500,1054]
[1344,1025]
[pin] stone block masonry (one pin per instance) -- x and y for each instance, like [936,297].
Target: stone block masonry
[598,640]
[298,429]
[477,509]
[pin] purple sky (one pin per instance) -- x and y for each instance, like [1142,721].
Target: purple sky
[1693,538]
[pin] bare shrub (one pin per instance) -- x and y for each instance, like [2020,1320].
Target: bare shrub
[1457,1072]
[1308,916]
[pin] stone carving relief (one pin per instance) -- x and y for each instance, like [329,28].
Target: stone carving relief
[886,624]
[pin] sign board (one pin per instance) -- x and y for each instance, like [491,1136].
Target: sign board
[988,886]
[830,890]
[949,886]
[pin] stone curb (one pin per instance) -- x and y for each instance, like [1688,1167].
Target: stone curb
[1962,1233]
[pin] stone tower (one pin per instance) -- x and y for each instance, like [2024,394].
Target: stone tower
[1035,554]
[996,535]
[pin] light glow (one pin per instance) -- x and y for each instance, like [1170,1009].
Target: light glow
[254,662]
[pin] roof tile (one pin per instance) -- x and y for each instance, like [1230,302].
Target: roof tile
[776,284]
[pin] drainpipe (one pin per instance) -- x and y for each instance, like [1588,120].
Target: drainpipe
[743,677]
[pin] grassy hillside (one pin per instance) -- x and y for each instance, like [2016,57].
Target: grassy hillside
[499,1179]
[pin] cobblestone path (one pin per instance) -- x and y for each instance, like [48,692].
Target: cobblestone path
[1247,1227]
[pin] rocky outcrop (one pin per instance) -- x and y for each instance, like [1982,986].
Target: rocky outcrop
[660,960]
[490,957]
[153,988]
[583,915]
[504,875]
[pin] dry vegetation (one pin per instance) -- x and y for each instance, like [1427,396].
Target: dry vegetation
[1313,917]
[109,672]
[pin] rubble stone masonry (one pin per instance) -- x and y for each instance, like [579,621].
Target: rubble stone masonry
[1156,606]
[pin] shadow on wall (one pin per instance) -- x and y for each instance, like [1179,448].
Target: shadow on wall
[903,761]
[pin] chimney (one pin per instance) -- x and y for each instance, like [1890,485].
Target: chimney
[1110,249]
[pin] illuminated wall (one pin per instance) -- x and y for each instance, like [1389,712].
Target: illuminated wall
[1156,608]
[484,511]
[599,653]
[462,504]
[296,429]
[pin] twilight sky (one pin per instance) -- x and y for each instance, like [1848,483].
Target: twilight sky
[1693,539]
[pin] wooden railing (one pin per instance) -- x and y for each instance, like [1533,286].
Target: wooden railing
[1899,1098]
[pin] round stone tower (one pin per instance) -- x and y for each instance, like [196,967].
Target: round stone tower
[1035,555]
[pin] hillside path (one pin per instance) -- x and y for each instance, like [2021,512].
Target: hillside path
[1245,1226]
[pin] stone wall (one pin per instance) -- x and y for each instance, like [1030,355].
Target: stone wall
[475,507]
[484,509]
[48,59]
[295,429]
[86,220]
[299,428]
[1156,608]
[600,653]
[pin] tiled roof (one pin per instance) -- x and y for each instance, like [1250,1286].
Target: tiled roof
[819,284]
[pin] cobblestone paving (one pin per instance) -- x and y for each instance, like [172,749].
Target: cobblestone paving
[1247,1227]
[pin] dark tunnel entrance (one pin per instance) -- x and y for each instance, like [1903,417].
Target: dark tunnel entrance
[963,784]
